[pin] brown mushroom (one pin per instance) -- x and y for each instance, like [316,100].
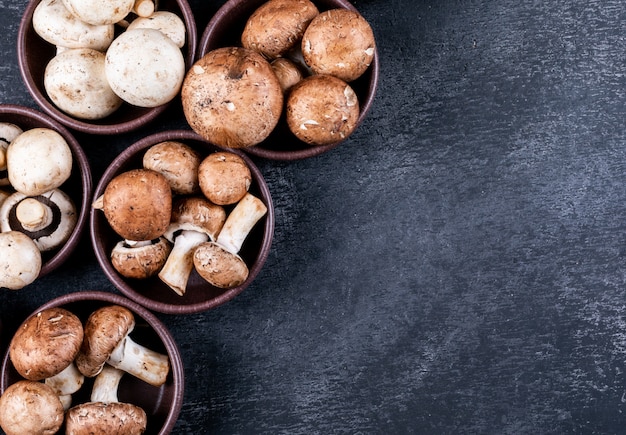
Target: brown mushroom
[20,260]
[194,221]
[277,25]
[107,340]
[224,177]
[48,219]
[137,204]
[322,110]
[177,162]
[30,407]
[232,98]
[339,42]
[217,262]
[140,260]
[287,71]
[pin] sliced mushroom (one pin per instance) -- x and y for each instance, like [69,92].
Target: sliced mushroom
[140,260]
[177,162]
[166,22]
[194,221]
[8,132]
[107,340]
[30,407]
[20,260]
[48,219]
[38,160]
[217,262]
[224,177]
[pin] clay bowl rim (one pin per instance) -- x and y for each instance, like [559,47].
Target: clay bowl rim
[233,7]
[104,126]
[43,120]
[96,220]
[173,352]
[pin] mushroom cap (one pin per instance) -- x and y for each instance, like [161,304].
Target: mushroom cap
[140,262]
[38,160]
[20,260]
[232,97]
[103,331]
[322,110]
[30,407]
[219,267]
[177,162]
[197,214]
[46,343]
[145,67]
[287,71]
[277,25]
[137,204]
[166,22]
[99,418]
[99,12]
[339,42]
[8,132]
[76,83]
[56,224]
[54,23]
[224,177]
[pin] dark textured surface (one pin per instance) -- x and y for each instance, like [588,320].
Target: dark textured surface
[457,266]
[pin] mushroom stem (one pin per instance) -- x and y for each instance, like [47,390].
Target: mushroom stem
[68,381]
[179,264]
[33,214]
[240,222]
[105,385]
[144,8]
[149,366]
[3,195]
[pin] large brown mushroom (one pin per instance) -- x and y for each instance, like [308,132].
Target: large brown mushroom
[232,97]
[30,407]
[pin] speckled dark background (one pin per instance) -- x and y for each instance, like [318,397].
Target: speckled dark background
[457,266]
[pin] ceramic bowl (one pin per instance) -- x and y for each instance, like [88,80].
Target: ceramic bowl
[225,29]
[78,186]
[34,53]
[161,404]
[152,292]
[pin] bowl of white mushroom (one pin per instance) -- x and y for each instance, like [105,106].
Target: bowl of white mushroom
[45,193]
[91,362]
[180,225]
[105,67]
[316,61]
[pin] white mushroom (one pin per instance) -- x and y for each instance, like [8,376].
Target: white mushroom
[144,8]
[20,260]
[166,22]
[58,26]
[38,160]
[48,219]
[8,132]
[76,83]
[145,67]
[100,12]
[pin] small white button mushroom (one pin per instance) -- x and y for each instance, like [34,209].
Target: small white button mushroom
[99,12]
[224,177]
[58,26]
[20,260]
[177,162]
[144,67]
[76,83]
[218,262]
[48,219]
[107,341]
[166,22]
[8,132]
[30,407]
[194,221]
[38,160]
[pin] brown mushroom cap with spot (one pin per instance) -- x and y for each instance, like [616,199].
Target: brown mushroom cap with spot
[46,343]
[30,407]
[322,110]
[224,177]
[142,260]
[110,418]
[137,204]
[277,25]
[339,42]
[177,162]
[232,97]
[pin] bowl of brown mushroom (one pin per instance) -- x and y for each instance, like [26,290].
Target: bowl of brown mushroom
[105,67]
[45,195]
[316,61]
[180,225]
[91,362]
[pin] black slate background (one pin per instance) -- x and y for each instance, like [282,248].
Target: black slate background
[456,266]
